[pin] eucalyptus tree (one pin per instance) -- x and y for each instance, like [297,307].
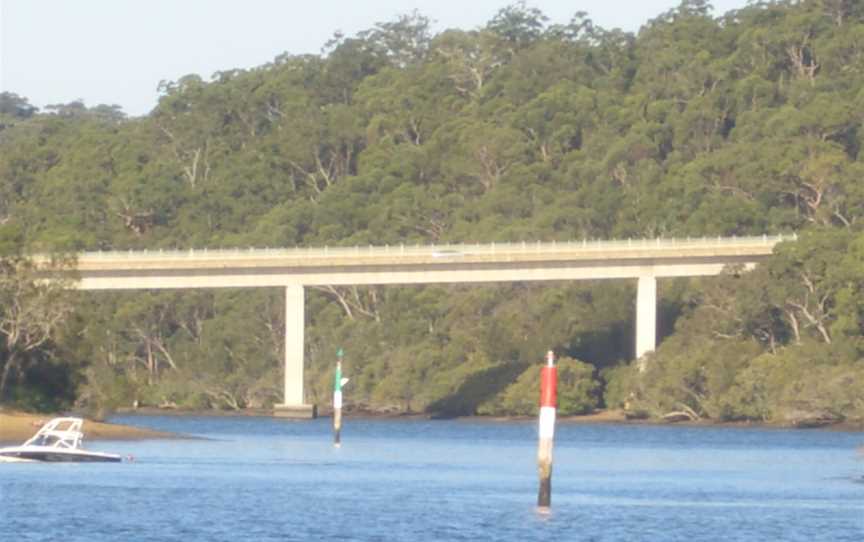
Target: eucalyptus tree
[31,312]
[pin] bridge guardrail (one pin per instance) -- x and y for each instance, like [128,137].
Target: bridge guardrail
[451,250]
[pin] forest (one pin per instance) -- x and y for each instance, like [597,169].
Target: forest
[744,123]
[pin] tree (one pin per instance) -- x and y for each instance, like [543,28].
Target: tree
[519,25]
[811,281]
[470,57]
[577,391]
[14,108]
[31,311]
[405,41]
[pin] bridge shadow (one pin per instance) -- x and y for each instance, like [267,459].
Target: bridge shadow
[476,389]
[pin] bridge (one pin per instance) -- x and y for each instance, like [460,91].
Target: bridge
[645,260]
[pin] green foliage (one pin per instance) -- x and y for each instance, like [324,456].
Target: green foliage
[780,344]
[744,124]
[800,385]
[621,384]
[32,313]
[106,389]
[578,391]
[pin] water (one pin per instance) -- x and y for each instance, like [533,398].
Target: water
[261,479]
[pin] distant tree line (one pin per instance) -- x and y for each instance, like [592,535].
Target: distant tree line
[742,124]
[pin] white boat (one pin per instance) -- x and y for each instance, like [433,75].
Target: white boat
[59,440]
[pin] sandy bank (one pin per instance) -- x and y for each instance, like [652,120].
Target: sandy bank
[16,427]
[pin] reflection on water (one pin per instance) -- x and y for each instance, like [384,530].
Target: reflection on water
[268,479]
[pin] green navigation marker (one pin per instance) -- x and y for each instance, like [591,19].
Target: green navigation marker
[337,381]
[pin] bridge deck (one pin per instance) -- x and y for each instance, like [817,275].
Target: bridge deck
[404,264]
[431,254]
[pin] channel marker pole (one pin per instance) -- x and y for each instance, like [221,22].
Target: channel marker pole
[548,396]
[337,400]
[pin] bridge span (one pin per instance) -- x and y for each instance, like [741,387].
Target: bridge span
[645,260]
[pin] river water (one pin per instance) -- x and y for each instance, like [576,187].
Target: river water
[261,479]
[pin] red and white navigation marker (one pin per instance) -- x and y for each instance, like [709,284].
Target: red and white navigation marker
[548,397]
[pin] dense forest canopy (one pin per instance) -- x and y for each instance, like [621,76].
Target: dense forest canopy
[747,123]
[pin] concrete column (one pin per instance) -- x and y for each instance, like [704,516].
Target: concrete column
[295,312]
[294,405]
[646,317]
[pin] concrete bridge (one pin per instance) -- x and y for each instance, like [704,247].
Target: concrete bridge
[645,260]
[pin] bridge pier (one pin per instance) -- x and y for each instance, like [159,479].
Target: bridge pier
[646,318]
[295,314]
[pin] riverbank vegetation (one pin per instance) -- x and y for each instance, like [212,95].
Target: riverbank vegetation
[746,123]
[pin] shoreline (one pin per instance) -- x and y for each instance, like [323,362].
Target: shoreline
[598,417]
[16,427]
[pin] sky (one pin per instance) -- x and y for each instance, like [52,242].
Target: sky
[117,51]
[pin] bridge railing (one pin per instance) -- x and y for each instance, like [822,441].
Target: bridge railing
[452,250]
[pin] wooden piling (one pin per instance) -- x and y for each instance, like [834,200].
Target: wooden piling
[546,433]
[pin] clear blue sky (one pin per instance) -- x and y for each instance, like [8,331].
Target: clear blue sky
[117,51]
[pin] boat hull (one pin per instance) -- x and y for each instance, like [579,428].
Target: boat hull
[56,456]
